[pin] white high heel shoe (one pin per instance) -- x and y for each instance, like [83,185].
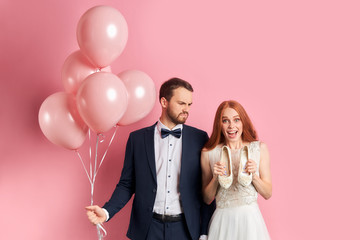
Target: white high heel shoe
[244,178]
[225,157]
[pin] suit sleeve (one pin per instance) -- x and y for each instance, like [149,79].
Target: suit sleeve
[206,210]
[206,214]
[126,186]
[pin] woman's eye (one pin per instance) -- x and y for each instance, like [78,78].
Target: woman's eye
[237,119]
[225,120]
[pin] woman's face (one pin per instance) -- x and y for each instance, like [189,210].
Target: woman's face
[231,125]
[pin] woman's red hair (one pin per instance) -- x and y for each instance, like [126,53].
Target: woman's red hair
[248,135]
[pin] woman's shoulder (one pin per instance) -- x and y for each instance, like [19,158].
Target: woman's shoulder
[263,147]
[213,149]
[258,143]
[260,146]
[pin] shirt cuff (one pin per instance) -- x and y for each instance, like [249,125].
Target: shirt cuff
[203,237]
[107,216]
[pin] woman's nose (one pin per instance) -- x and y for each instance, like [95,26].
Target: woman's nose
[231,124]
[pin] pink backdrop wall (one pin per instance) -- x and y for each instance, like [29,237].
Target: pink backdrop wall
[294,65]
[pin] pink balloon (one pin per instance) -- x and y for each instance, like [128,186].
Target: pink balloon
[142,95]
[60,121]
[102,100]
[102,34]
[75,69]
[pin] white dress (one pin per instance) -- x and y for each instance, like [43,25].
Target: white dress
[237,215]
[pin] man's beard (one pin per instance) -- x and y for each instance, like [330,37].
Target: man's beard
[176,119]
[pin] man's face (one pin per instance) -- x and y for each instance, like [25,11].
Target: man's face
[177,109]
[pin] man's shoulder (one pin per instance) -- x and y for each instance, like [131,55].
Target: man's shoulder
[142,130]
[194,130]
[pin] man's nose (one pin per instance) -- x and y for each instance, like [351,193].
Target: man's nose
[186,108]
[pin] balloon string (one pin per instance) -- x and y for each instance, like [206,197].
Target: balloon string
[94,175]
[87,173]
[96,154]
[90,153]
[111,140]
[102,137]
[101,231]
[92,194]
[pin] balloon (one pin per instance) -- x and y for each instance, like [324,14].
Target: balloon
[102,100]
[75,69]
[60,121]
[142,95]
[102,34]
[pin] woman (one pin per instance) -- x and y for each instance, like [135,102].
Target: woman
[235,168]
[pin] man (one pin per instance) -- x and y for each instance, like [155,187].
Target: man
[162,168]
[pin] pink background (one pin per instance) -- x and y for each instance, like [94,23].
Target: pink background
[294,65]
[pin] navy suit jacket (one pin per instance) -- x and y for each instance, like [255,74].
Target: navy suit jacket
[139,177]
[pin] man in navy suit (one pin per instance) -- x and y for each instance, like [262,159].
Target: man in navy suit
[162,168]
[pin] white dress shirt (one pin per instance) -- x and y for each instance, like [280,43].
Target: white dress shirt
[168,164]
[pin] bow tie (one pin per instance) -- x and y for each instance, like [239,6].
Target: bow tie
[176,133]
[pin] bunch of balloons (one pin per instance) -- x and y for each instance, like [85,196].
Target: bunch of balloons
[94,97]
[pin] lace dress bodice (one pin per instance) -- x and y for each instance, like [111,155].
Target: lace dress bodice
[236,194]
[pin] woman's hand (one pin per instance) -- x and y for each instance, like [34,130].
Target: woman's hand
[220,169]
[251,166]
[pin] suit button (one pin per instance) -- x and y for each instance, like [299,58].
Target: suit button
[150,209]
[154,190]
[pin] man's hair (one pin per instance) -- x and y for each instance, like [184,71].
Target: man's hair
[166,89]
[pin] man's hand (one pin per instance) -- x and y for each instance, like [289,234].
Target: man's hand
[95,214]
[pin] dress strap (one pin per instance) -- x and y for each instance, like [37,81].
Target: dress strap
[254,151]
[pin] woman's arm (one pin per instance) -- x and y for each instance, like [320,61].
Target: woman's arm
[209,179]
[262,182]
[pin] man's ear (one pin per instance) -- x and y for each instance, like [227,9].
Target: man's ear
[163,102]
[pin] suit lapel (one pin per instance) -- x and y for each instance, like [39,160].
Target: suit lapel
[150,149]
[184,152]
